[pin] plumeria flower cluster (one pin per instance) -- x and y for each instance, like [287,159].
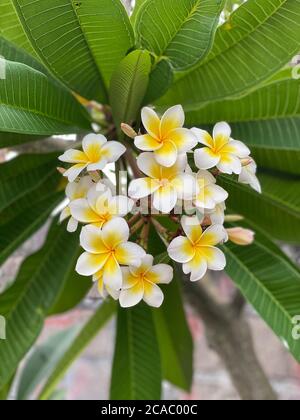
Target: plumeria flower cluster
[121,268]
[179,170]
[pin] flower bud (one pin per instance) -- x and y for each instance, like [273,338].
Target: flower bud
[241,236]
[128,130]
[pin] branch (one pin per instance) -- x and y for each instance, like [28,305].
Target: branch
[229,335]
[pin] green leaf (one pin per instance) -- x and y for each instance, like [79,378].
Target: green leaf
[24,174]
[136,372]
[26,303]
[128,86]
[14,139]
[160,80]
[268,120]
[258,40]
[81,42]
[182,30]
[13,53]
[11,27]
[271,284]
[137,6]
[71,296]
[30,103]
[42,361]
[276,211]
[174,337]
[24,224]
[87,333]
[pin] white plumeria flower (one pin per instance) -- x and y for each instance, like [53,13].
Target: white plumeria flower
[166,184]
[220,150]
[141,283]
[248,176]
[97,153]
[197,251]
[208,194]
[105,291]
[75,191]
[99,207]
[165,137]
[107,249]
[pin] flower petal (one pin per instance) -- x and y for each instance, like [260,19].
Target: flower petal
[88,264]
[197,267]
[76,190]
[185,186]
[93,142]
[65,214]
[151,122]
[141,188]
[147,143]
[183,139]
[217,193]
[181,250]
[91,240]
[133,296]
[99,165]
[165,199]
[129,280]
[120,206]
[179,167]
[205,158]
[72,225]
[229,164]
[153,295]
[213,235]
[146,162]
[192,228]
[160,274]
[112,274]
[222,129]
[115,232]
[129,253]
[167,154]
[215,258]
[75,171]
[237,148]
[172,118]
[203,137]
[147,263]
[82,212]
[113,150]
[73,156]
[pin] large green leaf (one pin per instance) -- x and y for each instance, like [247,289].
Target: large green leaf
[182,30]
[277,210]
[80,42]
[136,373]
[268,120]
[137,6]
[160,79]
[174,337]
[270,283]
[86,334]
[11,28]
[19,228]
[260,38]
[42,361]
[128,86]
[15,139]
[23,174]
[26,303]
[30,103]
[13,53]
[75,289]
